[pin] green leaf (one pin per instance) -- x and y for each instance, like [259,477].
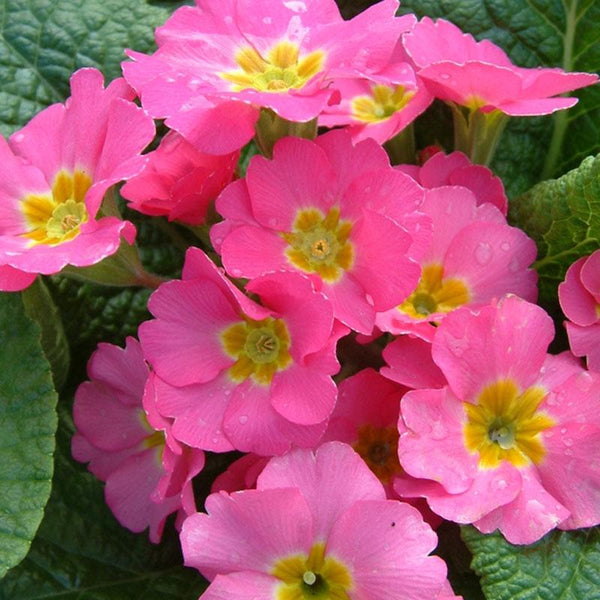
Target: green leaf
[535,33]
[563,217]
[27,426]
[43,41]
[40,307]
[564,565]
[81,551]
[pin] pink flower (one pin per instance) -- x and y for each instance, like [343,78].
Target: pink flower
[480,75]
[54,176]
[234,374]
[512,443]
[179,181]
[380,105]
[579,296]
[147,473]
[218,64]
[474,256]
[316,522]
[456,169]
[334,211]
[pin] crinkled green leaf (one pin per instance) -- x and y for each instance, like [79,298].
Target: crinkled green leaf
[82,553]
[563,217]
[564,565]
[535,33]
[43,41]
[27,426]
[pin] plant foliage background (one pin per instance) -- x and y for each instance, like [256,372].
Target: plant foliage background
[79,551]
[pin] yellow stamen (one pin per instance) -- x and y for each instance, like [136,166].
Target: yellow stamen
[504,424]
[56,217]
[312,577]
[319,243]
[383,102]
[282,68]
[434,294]
[259,347]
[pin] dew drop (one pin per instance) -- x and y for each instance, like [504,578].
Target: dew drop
[273,222]
[505,246]
[513,265]
[19,137]
[584,381]
[228,19]
[444,76]
[267,20]
[500,484]
[236,272]
[483,253]
[369,299]
[295,6]
[243,419]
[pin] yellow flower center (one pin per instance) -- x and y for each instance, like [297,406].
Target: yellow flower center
[282,68]
[319,243]
[56,218]
[312,577]
[378,447]
[259,347]
[505,424]
[434,294]
[383,102]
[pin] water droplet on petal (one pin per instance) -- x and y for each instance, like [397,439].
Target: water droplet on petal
[483,253]
[369,299]
[444,76]
[236,272]
[18,137]
[243,419]
[505,246]
[273,222]
[584,381]
[228,19]
[267,20]
[513,265]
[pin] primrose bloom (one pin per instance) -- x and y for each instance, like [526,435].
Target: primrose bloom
[513,441]
[234,374]
[334,211]
[378,106]
[474,256]
[54,173]
[178,181]
[317,526]
[456,169]
[128,445]
[579,296]
[480,76]
[218,63]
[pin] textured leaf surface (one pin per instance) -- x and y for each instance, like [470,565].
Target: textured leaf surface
[535,33]
[82,553]
[27,426]
[561,566]
[43,41]
[563,217]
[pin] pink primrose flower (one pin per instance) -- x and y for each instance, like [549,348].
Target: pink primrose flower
[456,169]
[128,445]
[55,173]
[512,443]
[334,211]
[217,64]
[318,523]
[178,181]
[371,428]
[234,374]
[474,256]
[579,296]
[479,75]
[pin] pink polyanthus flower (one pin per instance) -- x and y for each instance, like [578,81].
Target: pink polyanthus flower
[379,106]
[579,296]
[332,210]
[234,374]
[54,173]
[179,182]
[480,75]
[218,63]
[513,441]
[319,525]
[129,445]
[456,169]
[474,257]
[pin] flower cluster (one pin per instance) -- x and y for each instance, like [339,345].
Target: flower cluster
[365,332]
